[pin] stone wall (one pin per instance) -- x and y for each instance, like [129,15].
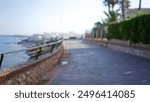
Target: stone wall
[124,46]
[31,72]
[130,50]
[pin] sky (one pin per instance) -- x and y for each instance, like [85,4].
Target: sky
[28,17]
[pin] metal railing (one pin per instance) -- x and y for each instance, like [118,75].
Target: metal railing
[34,52]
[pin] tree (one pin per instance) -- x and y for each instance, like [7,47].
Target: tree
[122,8]
[98,30]
[110,4]
[39,41]
[98,27]
[124,5]
[106,3]
[127,4]
[112,16]
[140,2]
[94,32]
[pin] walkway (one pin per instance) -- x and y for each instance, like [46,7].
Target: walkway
[93,64]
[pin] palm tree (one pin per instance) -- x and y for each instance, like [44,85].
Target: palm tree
[98,27]
[125,4]
[140,2]
[94,32]
[110,4]
[106,3]
[122,8]
[112,16]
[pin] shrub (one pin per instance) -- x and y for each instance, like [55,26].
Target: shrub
[137,30]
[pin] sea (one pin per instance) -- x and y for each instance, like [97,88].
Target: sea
[10,43]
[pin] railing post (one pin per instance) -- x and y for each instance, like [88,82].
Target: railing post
[58,45]
[1,60]
[52,48]
[38,53]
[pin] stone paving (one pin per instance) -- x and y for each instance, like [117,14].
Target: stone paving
[89,64]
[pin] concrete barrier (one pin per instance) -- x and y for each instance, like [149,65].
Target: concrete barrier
[33,71]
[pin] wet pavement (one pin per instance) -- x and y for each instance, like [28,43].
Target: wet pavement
[89,64]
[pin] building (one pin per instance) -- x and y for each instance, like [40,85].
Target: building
[71,35]
[133,12]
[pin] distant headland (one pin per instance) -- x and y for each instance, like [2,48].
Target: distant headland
[7,35]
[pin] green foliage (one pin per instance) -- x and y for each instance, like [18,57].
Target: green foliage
[98,25]
[40,41]
[110,4]
[112,16]
[137,30]
[139,13]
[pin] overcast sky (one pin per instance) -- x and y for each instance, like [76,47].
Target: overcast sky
[38,16]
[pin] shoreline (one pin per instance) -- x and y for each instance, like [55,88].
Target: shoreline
[12,44]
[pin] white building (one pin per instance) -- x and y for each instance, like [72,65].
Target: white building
[71,35]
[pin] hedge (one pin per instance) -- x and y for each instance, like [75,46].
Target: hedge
[137,30]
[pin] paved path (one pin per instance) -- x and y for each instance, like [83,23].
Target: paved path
[92,64]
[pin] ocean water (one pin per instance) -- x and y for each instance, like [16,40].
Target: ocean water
[10,43]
